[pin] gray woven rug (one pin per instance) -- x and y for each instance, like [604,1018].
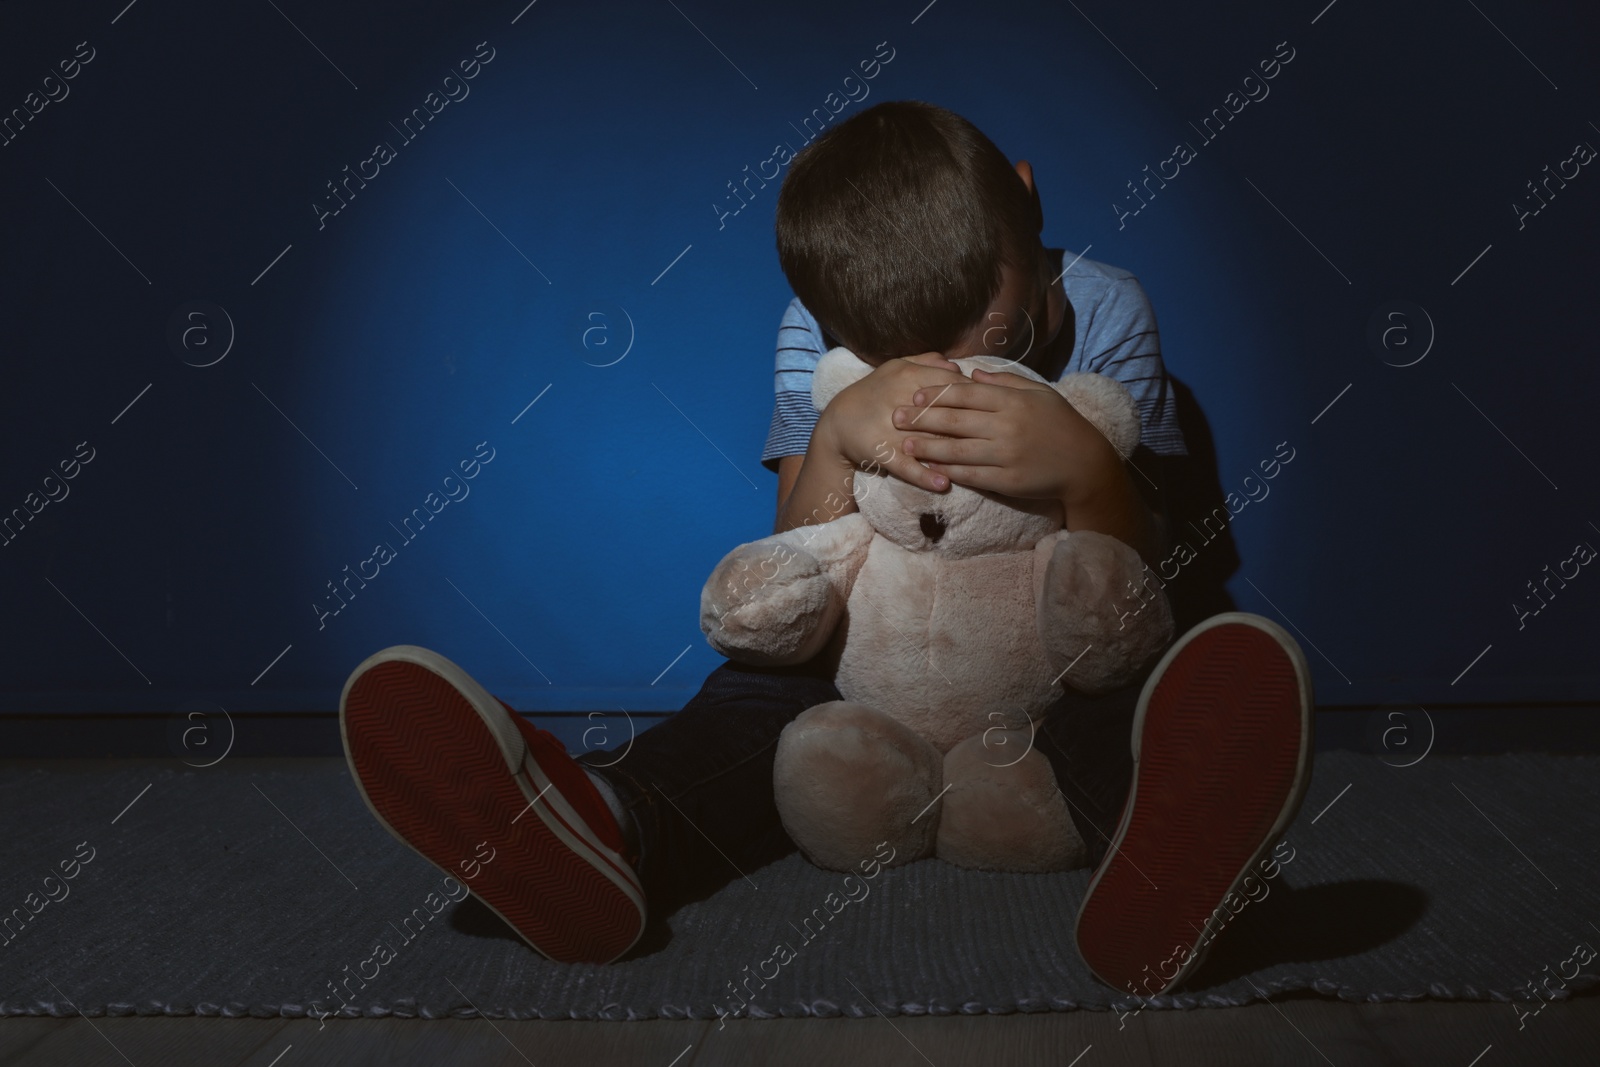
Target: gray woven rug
[249,888]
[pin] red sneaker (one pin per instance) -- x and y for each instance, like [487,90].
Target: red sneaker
[493,801]
[1222,758]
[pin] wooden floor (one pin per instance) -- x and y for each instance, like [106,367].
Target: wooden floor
[1294,1030]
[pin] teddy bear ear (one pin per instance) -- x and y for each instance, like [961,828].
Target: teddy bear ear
[834,371]
[1107,403]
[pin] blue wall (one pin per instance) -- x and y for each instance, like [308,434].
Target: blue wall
[544,208]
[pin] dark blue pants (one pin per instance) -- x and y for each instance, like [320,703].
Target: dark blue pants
[699,784]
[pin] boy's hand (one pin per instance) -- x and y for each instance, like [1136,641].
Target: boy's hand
[858,422]
[1008,434]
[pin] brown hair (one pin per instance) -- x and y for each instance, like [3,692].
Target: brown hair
[893,225]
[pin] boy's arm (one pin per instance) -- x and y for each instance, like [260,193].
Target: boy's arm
[788,473]
[801,345]
[1124,343]
[819,487]
[813,487]
[1116,508]
[1009,434]
[857,431]
[1027,444]
[824,491]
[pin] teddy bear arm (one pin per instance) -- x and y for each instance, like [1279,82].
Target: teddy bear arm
[840,547]
[1100,611]
[776,601]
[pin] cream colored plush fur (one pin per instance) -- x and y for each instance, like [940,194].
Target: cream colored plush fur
[945,649]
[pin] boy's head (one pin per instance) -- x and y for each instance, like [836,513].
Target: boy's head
[900,227]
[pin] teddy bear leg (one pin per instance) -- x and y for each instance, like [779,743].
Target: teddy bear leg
[847,778]
[1003,812]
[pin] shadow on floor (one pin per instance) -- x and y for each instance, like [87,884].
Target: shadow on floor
[1322,922]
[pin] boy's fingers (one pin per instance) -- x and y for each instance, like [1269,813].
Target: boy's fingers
[962,394]
[1006,378]
[947,371]
[930,419]
[927,395]
[945,450]
[981,478]
[939,379]
[909,470]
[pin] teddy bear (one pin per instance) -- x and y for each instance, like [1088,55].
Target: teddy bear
[950,621]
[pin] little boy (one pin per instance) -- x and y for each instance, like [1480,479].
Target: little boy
[909,238]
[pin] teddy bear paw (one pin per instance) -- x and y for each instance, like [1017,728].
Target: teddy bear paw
[768,603]
[1002,811]
[847,778]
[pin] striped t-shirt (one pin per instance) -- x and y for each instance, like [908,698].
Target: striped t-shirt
[1114,333]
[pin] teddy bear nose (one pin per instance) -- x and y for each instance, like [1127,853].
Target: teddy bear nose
[932,526]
